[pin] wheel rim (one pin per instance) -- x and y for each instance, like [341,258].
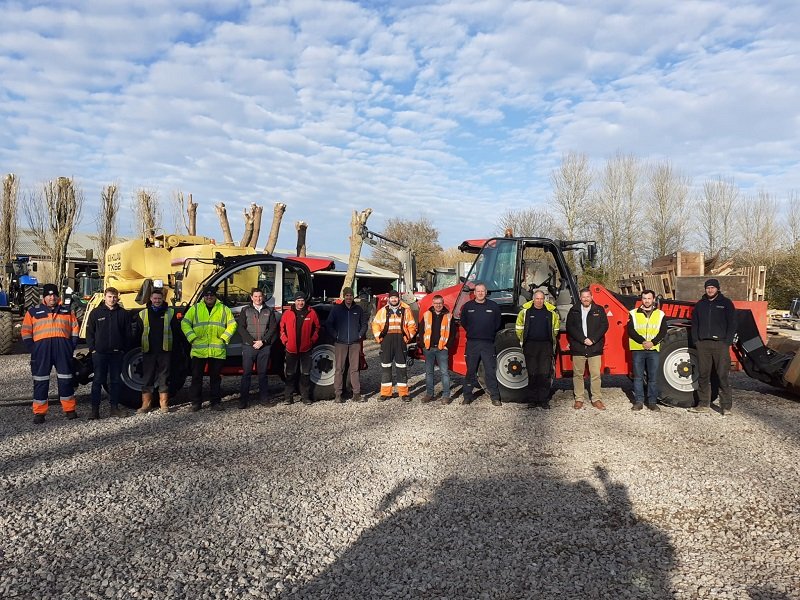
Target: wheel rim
[132,370]
[511,371]
[679,369]
[322,372]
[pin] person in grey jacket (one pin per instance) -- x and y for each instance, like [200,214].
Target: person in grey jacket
[258,329]
[347,325]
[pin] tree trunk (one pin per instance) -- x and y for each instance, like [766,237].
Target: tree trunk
[192,210]
[357,221]
[301,227]
[253,243]
[248,226]
[277,216]
[223,222]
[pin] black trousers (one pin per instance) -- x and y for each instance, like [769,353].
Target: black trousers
[293,373]
[260,358]
[155,371]
[713,357]
[539,363]
[214,376]
[481,351]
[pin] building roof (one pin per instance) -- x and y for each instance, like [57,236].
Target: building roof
[79,244]
[340,260]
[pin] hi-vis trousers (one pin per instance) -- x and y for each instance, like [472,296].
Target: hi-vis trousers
[49,353]
[393,354]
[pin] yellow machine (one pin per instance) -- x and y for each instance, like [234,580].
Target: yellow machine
[177,263]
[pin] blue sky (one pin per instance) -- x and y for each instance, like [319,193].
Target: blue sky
[455,111]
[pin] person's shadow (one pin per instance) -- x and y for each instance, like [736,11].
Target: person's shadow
[536,537]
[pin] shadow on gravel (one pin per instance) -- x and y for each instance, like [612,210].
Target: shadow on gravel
[505,538]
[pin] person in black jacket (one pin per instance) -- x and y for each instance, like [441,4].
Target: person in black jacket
[108,336]
[713,329]
[481,319]
[258,329]
[347,325]
[587,324]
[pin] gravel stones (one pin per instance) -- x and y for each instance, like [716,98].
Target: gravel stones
[389,500]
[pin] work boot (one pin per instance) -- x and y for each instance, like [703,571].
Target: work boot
[383,398]
[217,406]
[287,400]
[163,400]
[699,409]
[637,406]
[308,401]
[467,400]
[578,404]
[196,406]
[598,404]
[496,402]
[242,404]
[147,400]
[38,419]
[71,414]
[654,407]
[405,398]
[358,398]
[117,412]
[427,398]
[338,399]
[446,400]
[95,414]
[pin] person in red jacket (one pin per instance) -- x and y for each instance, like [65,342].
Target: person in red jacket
[299,332]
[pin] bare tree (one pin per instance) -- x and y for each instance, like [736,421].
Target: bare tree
[222,213]
[526,222]
[668,192]
[572,183]
[107,222]
[252,226]
[716,211]
[420,236]
[180,216]
[761,235]
[616,215]
[191,210]
[148,213]
[8,224]
[793,219]
[277,217]
[302,228]
[52,215]
[357,222]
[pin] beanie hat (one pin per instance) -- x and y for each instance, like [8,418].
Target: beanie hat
[299,296]
[49,288]
[210,289]
[713,282]
[394,293]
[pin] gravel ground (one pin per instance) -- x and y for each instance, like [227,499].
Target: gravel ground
[402,501]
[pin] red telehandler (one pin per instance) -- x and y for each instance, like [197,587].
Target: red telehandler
[513,268]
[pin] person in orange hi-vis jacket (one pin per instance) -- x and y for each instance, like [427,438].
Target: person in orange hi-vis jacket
[394,327]
[50,333]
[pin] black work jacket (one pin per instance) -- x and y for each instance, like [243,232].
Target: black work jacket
[596,327]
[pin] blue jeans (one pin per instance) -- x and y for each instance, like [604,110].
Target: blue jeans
[432,358]
[107,367]
[645,360]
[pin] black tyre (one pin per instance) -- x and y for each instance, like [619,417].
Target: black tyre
[796,326]
[32,296]
[132,379]
[512,376]
[677,372]
[6,332]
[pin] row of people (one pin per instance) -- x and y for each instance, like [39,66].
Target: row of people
[50,332]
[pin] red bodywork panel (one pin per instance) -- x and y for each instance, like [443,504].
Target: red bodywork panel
[313,264]
[616,355]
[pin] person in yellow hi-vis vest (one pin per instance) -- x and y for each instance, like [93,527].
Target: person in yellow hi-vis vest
[208,326]
[156,327]
[647,326]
